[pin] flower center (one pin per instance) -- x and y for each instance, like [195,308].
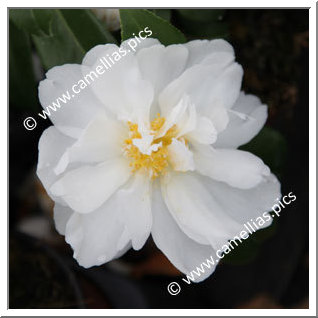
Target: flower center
[148,150]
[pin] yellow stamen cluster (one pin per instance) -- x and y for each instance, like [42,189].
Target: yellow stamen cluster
[157,161]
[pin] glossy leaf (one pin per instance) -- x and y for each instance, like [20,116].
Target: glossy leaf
[22,85]
[202,15]
[60,47]
[61,36]
[135,20]
[86,28]
[163,13]
[202,23]
[25,20]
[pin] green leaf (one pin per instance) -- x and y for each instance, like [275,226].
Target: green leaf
[134,20]
[43,18]
[271,147]
[22,85]
[25,20]
[163,13]
[60,47]
[202,15]
[202,23]
[213,30]
[86,28]
[61,36]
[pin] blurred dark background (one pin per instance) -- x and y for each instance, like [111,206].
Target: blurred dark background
[270,270]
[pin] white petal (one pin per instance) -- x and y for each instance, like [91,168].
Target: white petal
[212,88]
[204,132]
[184,253]
[123,251]
[196,211]
[119,87]
[52,145]
[87,188]
[201,49]
[94,236]
[198,83]
[160,65]
[247,118]
[103,139]
[76,112]
[144,43]
[175,116]
[134,210]
[219,117]
[246,204]
[180,157]
[61,216]
[97,52]
[74,232]
[102,50]
[237,168]
[200,128]
[188,121]
[108,232]
[226,89]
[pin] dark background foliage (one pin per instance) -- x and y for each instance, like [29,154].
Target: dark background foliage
[270,270]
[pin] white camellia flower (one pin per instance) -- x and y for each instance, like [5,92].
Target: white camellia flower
[150,147]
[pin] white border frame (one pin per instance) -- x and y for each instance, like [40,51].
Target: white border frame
[312,162]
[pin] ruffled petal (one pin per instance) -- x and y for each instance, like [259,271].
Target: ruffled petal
[160,65]
[184,253]
[246,119]
[86,188]
[98,52]
[244,205]
[121,222]
[237,168]
[212,89]
[94,236]
[52,145]
[226,89]
[178,116]
[180,157]
[204,132]
[201,82]
[61,216]
[101,50]
[79,109]
[199,50]
[134,210]
[142,44]
[120,83]
[189,124]
[196,211]
[100,141]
